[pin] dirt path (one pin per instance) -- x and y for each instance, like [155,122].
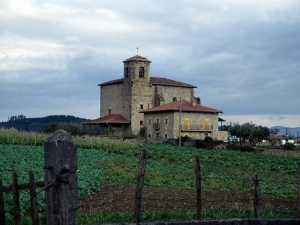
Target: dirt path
[120,198]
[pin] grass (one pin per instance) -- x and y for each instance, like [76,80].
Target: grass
[207,214]
[115,162]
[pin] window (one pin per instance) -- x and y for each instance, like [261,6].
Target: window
[141,106]
[206,124]
[141,71]
[185,124]
[149,135]
[157,121]
[157,135]
[166,135]
[149,121]
[126,72]
[174,99]
[141,122]
[109,111]
[166,121]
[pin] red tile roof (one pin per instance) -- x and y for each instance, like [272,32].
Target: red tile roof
[137,58]
[185,107]
[113,118]
[154,81]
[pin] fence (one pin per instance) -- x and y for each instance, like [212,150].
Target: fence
[60,184]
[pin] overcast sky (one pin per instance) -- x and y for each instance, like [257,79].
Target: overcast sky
[244,56]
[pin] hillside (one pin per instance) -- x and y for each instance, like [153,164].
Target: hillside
[292,131]
[36,124]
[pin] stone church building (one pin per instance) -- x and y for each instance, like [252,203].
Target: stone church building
[138,100]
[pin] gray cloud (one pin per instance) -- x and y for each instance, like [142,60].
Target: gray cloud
[243,55]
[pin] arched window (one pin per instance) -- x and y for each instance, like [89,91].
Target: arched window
[141,71]
[126,72]
[174,99]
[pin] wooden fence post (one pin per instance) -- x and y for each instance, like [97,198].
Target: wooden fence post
[60,155]
[139,187]
[2,212]
[16,199]
[198,187]
[33,200]
[298,210]
[255,195]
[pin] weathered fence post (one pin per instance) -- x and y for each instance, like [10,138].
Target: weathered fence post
[60,153]
[198,187]
[139,187]
[16,199]
[298,210]
[255,195]
[34,208]
[2,212]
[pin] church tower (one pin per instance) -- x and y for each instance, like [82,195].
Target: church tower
[137,90]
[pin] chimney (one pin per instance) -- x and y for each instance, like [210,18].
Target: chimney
[193,101]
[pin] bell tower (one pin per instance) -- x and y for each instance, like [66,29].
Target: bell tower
[137,69]
[136,91]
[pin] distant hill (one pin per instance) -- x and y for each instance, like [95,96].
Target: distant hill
[36,124]
[292,131]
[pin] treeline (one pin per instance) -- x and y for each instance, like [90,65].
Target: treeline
[22,123]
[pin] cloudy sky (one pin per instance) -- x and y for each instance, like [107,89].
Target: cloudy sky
[244,56]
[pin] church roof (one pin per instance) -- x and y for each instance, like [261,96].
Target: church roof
[112,118]
[137,58]
[155,81]
[185,107]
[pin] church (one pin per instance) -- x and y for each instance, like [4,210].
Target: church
[162,105]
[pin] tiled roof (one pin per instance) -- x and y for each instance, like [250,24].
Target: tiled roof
[185,107]
[117,81]
[155,81]
[169,82]
[113,118]
[137,58]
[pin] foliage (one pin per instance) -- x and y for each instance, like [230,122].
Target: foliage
[12,136]
[223,170]
[207,143]
[249,133]
[26,158]
[241,148]
[143,131]
[186,138]
[72,128]
[287,146]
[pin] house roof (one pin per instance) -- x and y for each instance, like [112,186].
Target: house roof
[155,81]
[185,107]
[112,118]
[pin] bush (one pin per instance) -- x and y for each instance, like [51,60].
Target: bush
[208,143]
[287,146]
[143,131]
[186,138]
[241,148]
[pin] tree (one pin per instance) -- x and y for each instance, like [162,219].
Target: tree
[249,133]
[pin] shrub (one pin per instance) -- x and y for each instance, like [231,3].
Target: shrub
[186,138]
[143,131]
[241,148]
[287,146]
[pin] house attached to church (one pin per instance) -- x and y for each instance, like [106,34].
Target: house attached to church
[138,100]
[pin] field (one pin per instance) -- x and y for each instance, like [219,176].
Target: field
[107,177]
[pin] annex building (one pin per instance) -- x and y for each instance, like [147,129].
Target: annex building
[138,100]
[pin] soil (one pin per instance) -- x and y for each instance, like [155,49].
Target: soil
[120,198]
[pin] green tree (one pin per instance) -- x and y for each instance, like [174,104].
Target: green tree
[249,133]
